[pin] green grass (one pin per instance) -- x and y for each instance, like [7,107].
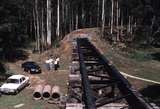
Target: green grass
[24,97]
[140,56]
[149,73]
[138,63]
[9,101]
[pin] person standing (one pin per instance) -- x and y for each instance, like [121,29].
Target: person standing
[56,63]
[49,63]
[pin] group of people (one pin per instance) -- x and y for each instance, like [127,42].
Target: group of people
[52,64]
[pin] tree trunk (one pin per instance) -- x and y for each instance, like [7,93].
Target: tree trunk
[98,11]
[37,26]
[70,18]
[117,22]
[129,24]
[63,11]
[103,17]
[90,19]
[42,32]
[153,22]
[121,31]
[49,23]
[58,20]
[72,24]
[112,16]
[83,15]
[77,19]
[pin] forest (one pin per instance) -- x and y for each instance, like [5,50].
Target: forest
[46,22]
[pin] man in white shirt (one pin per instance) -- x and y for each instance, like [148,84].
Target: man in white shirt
[49,63]
[56,63]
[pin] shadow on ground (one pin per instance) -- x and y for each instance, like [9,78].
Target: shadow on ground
[3,72]
[13,55]
[2,68]
[156,56]
[152,92]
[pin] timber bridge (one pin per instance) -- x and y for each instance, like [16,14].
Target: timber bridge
[94,83]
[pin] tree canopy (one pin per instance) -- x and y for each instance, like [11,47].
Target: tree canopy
[22,21]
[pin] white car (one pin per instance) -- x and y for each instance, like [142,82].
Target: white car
[14,84]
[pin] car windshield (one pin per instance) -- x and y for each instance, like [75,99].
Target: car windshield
[16,81]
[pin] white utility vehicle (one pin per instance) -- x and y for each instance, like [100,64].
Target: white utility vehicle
[14,84]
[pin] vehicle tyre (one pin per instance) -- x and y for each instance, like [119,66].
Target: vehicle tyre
[16,92]
[39,71]
[30,72]
[27,84]
[25,69]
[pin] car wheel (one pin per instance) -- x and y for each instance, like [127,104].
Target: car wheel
[39,71]
[25,69]
[16,92]
[30,72]
[28,84]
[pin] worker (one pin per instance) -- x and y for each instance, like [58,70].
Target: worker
[56,63]
[49,63]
